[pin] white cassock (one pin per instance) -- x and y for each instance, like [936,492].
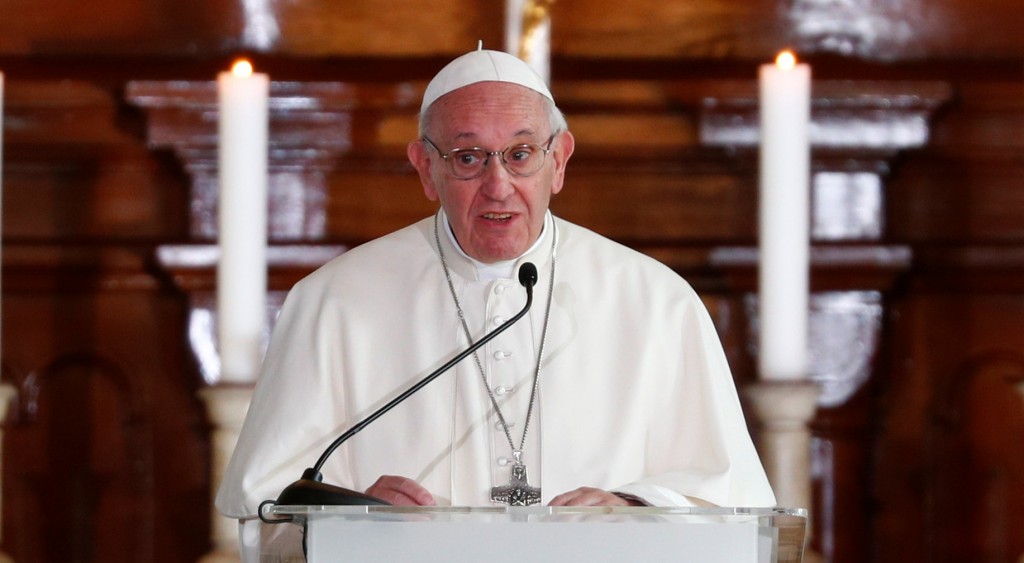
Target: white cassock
[635,393]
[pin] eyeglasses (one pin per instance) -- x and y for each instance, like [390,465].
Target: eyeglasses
[519,160]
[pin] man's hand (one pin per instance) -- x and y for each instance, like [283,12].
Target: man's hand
[400,491]
[589,496]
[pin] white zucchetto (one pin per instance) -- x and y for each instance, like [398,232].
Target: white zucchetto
[483,66]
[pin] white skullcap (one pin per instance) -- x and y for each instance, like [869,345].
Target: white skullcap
[483,66]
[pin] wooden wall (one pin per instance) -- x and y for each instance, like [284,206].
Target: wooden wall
[105,451]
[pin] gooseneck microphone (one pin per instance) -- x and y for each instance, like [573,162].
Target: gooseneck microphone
[311,490]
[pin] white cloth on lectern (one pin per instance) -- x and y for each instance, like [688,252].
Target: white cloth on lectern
[635,395]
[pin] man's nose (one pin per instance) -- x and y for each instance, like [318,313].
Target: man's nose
[496,180]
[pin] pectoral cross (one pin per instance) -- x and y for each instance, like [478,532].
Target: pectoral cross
[518,492]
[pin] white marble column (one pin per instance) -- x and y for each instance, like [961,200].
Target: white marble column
[226,406]
[7,393]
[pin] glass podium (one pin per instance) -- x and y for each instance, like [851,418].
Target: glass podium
[535,534]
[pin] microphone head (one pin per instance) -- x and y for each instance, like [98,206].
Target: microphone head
[528,274]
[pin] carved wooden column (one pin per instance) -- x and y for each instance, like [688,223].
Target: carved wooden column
[857,129]
[311,126]
[7,394]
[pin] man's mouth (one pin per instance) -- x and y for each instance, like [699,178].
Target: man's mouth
[497,216]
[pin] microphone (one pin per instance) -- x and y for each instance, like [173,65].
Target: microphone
[311,490]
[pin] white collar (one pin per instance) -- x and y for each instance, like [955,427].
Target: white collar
[504,269]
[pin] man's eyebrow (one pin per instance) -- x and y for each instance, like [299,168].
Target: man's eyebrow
[471,136]
[460,136]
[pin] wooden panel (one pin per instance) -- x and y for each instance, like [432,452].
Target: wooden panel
[403,27]
[966,186]
[950,477]
[320,27]
[951,199]
[711,29]
[141,198]
[105,454]
[657,201]
[74,168]
[366,204]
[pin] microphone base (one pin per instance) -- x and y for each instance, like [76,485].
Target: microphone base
[311,492]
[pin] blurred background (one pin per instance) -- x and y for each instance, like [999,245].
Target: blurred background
[917,198]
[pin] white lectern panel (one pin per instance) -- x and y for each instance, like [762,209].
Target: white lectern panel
[537,534]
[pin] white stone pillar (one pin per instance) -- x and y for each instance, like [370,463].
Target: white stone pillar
[226,406]
[7,392]
[784,408]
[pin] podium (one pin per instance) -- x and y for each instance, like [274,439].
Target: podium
[535,534]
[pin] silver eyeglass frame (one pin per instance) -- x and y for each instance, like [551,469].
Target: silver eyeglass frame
[487,157]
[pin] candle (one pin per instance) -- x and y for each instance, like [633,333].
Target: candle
[1,182]
[784,218]
[242,221]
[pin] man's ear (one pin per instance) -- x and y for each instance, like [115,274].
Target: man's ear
[420,159]
[564,145]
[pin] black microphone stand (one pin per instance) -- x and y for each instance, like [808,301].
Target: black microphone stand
[311,490]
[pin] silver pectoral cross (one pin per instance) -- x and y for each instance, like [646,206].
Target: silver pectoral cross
[518,492]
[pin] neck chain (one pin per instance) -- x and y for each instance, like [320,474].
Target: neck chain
[518,492]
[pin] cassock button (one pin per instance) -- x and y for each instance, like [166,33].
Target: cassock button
[501,355]
[503,461]
[497,425]
[501,390]
[499,289]
[498,320]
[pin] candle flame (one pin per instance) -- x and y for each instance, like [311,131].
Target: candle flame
[786,60]
[241,68]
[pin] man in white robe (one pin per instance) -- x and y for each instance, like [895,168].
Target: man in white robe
[634,402]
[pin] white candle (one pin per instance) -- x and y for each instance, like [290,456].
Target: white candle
[242,221]
[784,218]
[1,183]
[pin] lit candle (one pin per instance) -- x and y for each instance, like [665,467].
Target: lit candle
[1,178]
[784,217]
[242,221]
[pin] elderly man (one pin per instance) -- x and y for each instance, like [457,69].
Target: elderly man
[613,390]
